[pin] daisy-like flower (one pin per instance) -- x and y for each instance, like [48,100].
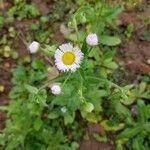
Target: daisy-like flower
[33,47]
[92,39]
[68,58]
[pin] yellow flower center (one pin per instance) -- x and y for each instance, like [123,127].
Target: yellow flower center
[68,58]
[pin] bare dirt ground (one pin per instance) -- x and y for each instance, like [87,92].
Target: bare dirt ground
[136,51]
[92,144]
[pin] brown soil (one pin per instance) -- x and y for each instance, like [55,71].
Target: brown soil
[44,7]
[5,76]
[94,145]
[136,52]
[91,143]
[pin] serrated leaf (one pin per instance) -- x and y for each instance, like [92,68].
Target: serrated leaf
[110,40]
[49,50]
[112,127]
[130,132]
[37,64]
[31,89]
[141,108]
[100,138]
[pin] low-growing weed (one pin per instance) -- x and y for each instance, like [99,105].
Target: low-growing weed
[50,113]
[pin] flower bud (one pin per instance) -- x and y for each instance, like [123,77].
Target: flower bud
[56,89]
[92,39]
[33,47]
[88,107]
[64,109]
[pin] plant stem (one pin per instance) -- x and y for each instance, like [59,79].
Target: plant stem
[107,81]
[87,54]
[80,88]
[77,32]
[51,81]
[66,79]
[89,51]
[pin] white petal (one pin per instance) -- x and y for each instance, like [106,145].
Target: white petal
[66,47]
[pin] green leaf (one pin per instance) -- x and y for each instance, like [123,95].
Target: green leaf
[138,144]
[39,98]
[110,40]
[111,65]
[90,117]
[130,132]
[68,119]
[120,109]
[142,87]
[2,139]
[19,74]
[147,127]
[141,111]
[109,54]
[100,138]
[31,89]
[37,75]
[49,51]
[108,125]
[38,64]
[1,21]
[74,38]
[103,93]
[37,124]
[113,13]
[53,115]
[88,107]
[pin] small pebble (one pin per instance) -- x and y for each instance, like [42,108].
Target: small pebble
[2,88]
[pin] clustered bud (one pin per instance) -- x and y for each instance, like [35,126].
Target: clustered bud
[55,89]
[33,47]
[92,39]
[64,109]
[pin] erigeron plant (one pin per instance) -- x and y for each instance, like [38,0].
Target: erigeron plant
[41,108]
[77,88]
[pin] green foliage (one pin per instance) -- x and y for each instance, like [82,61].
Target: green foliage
[146,36]
[22,10]
[100,138]
[38,119]
[136,134]
[33,111]
[129,30]
[97,20]
[30,122]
